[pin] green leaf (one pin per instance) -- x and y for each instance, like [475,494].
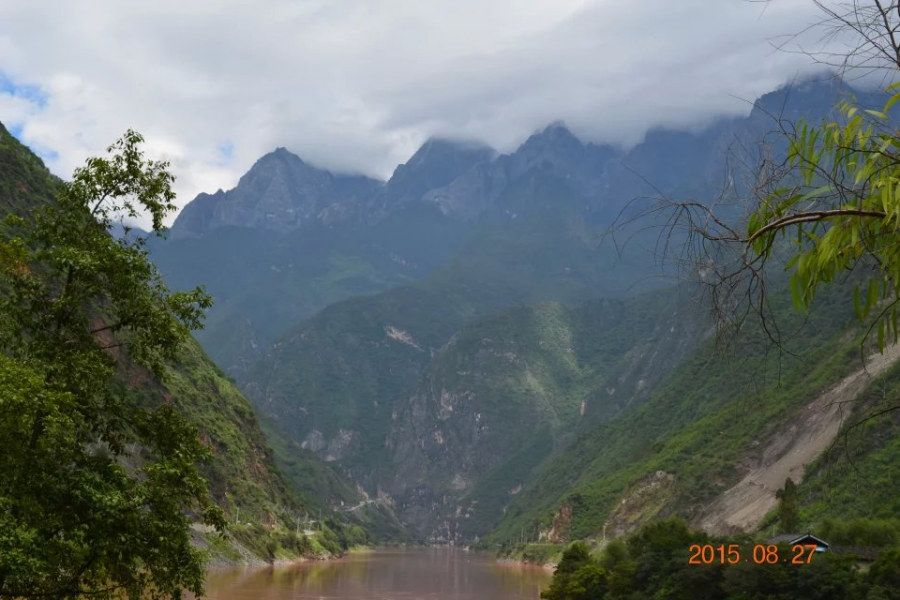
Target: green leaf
[872,298]
[815,193]
[894,322]
[796,294]
[892,100]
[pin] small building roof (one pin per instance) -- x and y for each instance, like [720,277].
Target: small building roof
[798,538]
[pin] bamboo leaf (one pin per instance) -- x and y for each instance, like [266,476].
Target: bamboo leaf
[872,298]
[795,293]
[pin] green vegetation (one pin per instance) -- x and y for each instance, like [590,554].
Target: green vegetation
[117,433]
[524,378]
[697,424]
[843,214]
[543,554]
[861,531]
[24,181]
[654,563]
[856,477]
[264,282]
[351,366]
[76,517]
[788,518]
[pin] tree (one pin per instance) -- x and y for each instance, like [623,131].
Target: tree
[885,573]
[96,491]
[788,499]
[578,576]
[823,204]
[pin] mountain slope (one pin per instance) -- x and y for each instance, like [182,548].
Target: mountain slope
[694,438]
[338,323]
[508,390]
[280,192]
[242,475]
[291,239]
[335,382]
[24,180]
[265,281]
[363,383]
[856,476]
[437,163]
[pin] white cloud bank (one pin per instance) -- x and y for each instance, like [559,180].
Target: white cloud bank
[357,85]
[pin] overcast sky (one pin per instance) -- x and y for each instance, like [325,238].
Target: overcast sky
[358,85]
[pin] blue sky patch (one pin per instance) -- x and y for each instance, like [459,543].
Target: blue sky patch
[34,95]
[226,151]
[31,93]
[45,153]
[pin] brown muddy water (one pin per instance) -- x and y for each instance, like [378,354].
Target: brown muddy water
[410,574]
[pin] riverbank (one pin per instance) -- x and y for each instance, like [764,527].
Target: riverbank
[228,552]
[224,552]
[517,562]
[543,555]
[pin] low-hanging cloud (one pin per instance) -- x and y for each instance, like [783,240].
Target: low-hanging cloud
[357,85]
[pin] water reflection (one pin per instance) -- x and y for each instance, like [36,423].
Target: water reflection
[415,574]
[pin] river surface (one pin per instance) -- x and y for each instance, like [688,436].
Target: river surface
[409,574]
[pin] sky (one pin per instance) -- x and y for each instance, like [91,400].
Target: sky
[359,85]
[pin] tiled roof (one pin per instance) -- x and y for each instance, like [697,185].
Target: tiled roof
[792,538]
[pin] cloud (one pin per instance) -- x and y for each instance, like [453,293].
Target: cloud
[357,85]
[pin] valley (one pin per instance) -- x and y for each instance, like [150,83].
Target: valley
[367,300]
[464,356]
[470,352]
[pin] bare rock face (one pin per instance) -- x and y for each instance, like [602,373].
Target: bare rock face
[340,444]
[314,441]
[279,192]
[435,165]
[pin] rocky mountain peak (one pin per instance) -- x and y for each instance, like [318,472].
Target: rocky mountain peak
[280,168]
[556,137]
[435,164]
[809,97]
[281,192]
[556,149]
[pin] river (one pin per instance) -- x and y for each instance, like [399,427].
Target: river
[405,574]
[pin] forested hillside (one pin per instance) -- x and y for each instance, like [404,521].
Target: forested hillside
[705,426]
[242,476]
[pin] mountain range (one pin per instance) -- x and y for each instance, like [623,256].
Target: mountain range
[466,354]
[443,339]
